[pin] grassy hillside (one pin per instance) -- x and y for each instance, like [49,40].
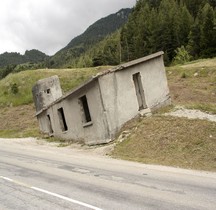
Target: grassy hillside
[158,139]
[176,141]
[171,141]
[25,80]
[194,84]
[17,112]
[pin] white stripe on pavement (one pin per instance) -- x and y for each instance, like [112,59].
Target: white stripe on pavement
[52,194]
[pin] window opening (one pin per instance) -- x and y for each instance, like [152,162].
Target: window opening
[139,91]
[62,120]
[85,107]
[48,91]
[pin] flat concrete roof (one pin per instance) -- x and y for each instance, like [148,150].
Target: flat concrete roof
[130,63]
[111,70]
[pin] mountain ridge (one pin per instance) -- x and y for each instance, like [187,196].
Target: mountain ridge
[91,36]
[15,58]
[101,24]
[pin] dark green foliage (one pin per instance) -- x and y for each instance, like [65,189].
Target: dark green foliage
[14,89]
[100,29]
[35,56]
[14,58]
[208,32]
[184,75]
[15,62]
[7,70]
[167,25]
[106,52]
[202,37]
[182,56]
[195,5]
[11,58]
[153,25]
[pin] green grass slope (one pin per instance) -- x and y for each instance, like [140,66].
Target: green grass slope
[24,81]
[17,112]
[173,141]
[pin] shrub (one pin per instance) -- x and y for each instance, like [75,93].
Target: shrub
[14,89]
[182,56]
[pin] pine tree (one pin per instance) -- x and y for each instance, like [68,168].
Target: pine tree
[202,37]
[208,32]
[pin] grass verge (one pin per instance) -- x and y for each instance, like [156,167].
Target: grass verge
[18,122]
[172,141]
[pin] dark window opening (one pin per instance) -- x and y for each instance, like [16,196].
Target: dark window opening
[48,91]
[49,124]
[85,107]
[62,120]
[139,91]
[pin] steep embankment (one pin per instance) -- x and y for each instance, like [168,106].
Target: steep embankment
[168,140]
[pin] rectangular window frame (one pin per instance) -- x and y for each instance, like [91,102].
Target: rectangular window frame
[86,115]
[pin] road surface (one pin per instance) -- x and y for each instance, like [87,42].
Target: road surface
[46,177]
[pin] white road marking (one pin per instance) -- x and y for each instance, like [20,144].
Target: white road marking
[5,178]
[52,194]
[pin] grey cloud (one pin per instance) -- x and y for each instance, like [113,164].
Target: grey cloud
[49,25]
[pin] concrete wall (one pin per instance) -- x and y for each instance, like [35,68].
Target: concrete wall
[112,101]
[94,132]
[46,91]
[119,94]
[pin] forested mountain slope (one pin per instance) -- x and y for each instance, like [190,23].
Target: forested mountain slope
[93,35]
[185,30]
[184,27]
[16,58]
[15,62]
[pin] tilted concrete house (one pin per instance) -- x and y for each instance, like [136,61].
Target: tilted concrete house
[95,111]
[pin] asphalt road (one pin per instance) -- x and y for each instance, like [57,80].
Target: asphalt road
[44,177]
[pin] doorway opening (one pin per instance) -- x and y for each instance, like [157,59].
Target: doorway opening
[49,124]
[139,91]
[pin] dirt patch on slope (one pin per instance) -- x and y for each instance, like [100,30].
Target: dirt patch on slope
[18,121]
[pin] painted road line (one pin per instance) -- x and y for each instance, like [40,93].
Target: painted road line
[66,198]
[52,194]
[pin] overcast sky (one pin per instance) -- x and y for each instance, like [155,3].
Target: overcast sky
[49,25]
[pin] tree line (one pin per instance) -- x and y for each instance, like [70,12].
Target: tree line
[15,62]
[183,29]
[186,27]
